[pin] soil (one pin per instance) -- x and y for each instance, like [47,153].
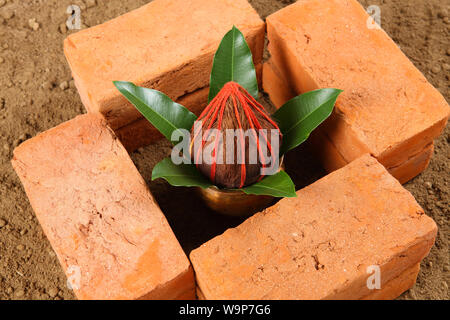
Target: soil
[37,93]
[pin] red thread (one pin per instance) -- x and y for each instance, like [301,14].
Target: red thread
[215,111]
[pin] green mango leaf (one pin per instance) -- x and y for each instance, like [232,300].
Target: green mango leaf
[277,185]
[233,62]
[298,117]
[182,175]
[164,114]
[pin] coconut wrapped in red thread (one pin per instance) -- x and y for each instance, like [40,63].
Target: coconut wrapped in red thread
[234,138]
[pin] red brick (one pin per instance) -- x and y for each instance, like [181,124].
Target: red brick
[279,91]
[387,108]
[390,290]
[396,286]
[322,145]
[319,245]
[332,159]
[325,150]
[99,215]
[417,163]
[166,45]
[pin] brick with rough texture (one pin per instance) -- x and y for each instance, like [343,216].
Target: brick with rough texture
[390,290]
[387,108]
[99,216]
[322,145]
[319,245]
[279,91]
[166,45]
[396,286]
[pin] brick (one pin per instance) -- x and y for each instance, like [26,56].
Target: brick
[99,215]
[387,108]
[273,84]
[325,150]
[417,163]
[396,286]
[166,45]
[332,159]
[141,133]
[319,245]
[323,146]
[389,291]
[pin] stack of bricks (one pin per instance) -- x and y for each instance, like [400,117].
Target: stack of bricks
[110,235]
[387,109]
[167,45]
[321,244]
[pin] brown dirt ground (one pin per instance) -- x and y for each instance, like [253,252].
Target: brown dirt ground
[37,93]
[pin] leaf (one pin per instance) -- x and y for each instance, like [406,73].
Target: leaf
[187,175]
[233,62]
[298,117]
[277,185]
[182,175]
[164,114]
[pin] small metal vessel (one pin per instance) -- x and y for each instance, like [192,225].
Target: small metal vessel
[235,203]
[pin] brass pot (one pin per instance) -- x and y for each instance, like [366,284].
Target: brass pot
[235,203]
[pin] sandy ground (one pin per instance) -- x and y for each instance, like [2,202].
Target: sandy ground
[37,93]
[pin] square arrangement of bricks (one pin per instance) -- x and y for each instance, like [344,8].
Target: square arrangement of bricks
[100,216]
